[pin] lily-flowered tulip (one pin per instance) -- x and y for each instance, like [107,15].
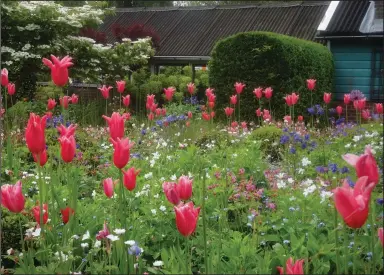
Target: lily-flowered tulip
[300,118]
[59,69]
[126,100]
[127,116]
[116,125]
[365,114]
[209,91]
[43,158]
[129,179]
[211,97]
[151,116]
[163,111]
[258,92]
[380,233]
[228,111]
[35,133]
[213,114]
[234,124]
[186,218]
[347,99]
[66,213]
[359,104]
[268,92]
[339,110]
[327,98]
[74,99]
[64,101]
[205,116]
[295,98]
[4,77]
[103,233]
[311,84]
[379,108]
[211,104]
[66,132]
[287,119]
[292,268]
[191,88]
[68,148]
[150,101]
[189,114]
[120,86]
[365,165]
[233,99]
[288,100]
[259,112]
[153,107]
[170,191]
[121,151]
[11,89]
[169,93]
[266,115]
[12,197]
[108,186]
[239,87]
[51,104]
[353,203]
[184,188]
[105,91]
[244,125]
[36,213]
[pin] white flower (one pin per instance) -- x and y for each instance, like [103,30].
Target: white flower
[153,211]
[234,155]
[119,231]
[156,155]
[305,162]
[10,251]
[29,232]
[158,263]
[84,245]
[356,138]
[162,179]
[162,208]
[130,242]
[86,236]
[113,237]
[281,184]
[93,194]
[75,237]
[309,190]
[280,175]
[152,162]
[61,256]
[307,182]
[156,196]
[97,244]
[325,195]
[300,171]
[173,177]
[36,233]
[148,175]
[169,157]
[290,180]
[347,145]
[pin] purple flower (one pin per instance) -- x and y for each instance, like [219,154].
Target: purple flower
[356,95]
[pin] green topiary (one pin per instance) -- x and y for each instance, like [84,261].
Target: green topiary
[268,59]
[269,136]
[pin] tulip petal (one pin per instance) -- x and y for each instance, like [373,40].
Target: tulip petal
[351,159]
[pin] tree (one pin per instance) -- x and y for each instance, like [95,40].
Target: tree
[223,3]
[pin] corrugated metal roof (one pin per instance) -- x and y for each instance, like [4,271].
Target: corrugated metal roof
[193,31]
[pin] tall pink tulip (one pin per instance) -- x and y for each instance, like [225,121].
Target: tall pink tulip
[43,158]
[233,99]
[339,110]
[51,104]
[35,133]
[169,92]
[11,89]
[258,92]
[4,77]
[64,101]
[191,88]
[366,114]
[239,87]
[292,268]
[12,197]
[186,218]
[311,84]
[184,187]
[120,86]
[327,98]
[68,148]
[105,91]
[116,125]
[150,101]
[129,179]
[67,132]
[259,112]
[228,111]
[126,100]
[59,69]
[36,213]
[108,186]
[121,151]
[295,98]
[268,92]
[170,191]
[379,108]
[347,99]
[74,99]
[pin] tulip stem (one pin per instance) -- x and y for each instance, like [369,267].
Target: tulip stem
[204,226]
[311,114]
[336,244]
[372,220]
[21,233]
[357,251]
[345,249]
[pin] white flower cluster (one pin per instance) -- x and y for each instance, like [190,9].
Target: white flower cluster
[144,191]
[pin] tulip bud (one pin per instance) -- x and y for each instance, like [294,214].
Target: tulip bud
[130,178]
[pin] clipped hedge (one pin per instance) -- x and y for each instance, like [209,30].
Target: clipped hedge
[269,59]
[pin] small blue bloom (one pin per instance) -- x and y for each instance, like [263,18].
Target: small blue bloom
[286,242]
[291,209]
[380,201]
[284,139]
[143,132]
[135,250]
[350,182]
[292,150]
[333,167]
[344,170]
[321,169]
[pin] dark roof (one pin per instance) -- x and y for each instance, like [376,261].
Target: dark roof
[347,18]
[193,31]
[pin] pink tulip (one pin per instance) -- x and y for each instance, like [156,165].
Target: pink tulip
[68,148]
[116,125]
[105,91]
[295,98]
[151,116]
[359,104]
[347,99]
[205,116]
[64,101]
[292,268]
[12,197]
[233,99]
[51,104]
[67,132]
[59,69]
[239,87]
[4,77]
[169,92]
[74,99]
[228,111]
[288,119]
[266,115]
[11,89]
[170,191]
[339,110]
[184,188]
[300,118]
[43,158]
[120,86]
[365,114]
[191,88]
[189,114]
[288,100]
[327,98]
[268,92]
[186,218]
[130,178]
[258,92]
[35,133]
[244,125]
[126,100]
[234,124]
[379,108]
[259,112]
[150,101]
[121,151]
[311,83]
[108,186]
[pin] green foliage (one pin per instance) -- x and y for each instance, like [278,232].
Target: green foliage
[50,91]
[268,59]
[269,137]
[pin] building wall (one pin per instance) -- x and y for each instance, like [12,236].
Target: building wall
[352,59]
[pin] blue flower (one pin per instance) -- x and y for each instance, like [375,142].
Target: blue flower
[292,150]
[321,169]
[311,110]
[284,139]
[306,137]
[332,111]
[285,130]
[380,201]
[333,167]
[135,250]
[143,132]
[350,182]
[303,145]
[344,170]
[159,123]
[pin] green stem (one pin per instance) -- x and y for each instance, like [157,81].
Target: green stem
[311,107]
[106,107]
[373,237]
[204,226]
[239,110]
[356,252]
[187,270]
[346,112]
[21,233]
[345,249]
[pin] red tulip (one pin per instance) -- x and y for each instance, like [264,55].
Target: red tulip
[129,179]
[103,233]
[66,132]
[379,108]
[126,116]
[120,86]
[121,151]
[311,83]
[169,92]
[11,89]
[211,104]
[105,91]
[68,148]
[116,125]
[35,133]
[74,99]
[66,213]
[12,197]
[339,110]
[365,165]
[187,123]
[126,100]
[258,92]
[381,235]
[211,98]
[327,98]
[300,118]
[163,111]
[205,116]
[288,119]
[191,88]
[151,116]
[234,124]
[170,191]
[51,104]
[295,98]
[150,101]
[239,87]
[43,158]
[353,203]
[228,111]
[189,114]
[292,268]
[259,112]
[268,92]
[359,104]
[186,218]
[244,125]
[347,99]
[288,100]
[233,99]
[153,107]
[108,186]
[266,115]
[4,77]
[64,101]
[59,69]
[365,114]
[212,114]
[209,91]
[36,213]
[184,188]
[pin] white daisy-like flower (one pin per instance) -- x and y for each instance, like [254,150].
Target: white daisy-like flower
[156,196]
[347,145]
[281,184]
[84,245]
[130,242]
[119,231]
[113,237]
[158,263]
[86,236]
[305,162]
[75,237]
[37,232]
[97,244]
[309,190]
[290,180]
[173,177]
[162,208]
[153,211]
[10,251]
